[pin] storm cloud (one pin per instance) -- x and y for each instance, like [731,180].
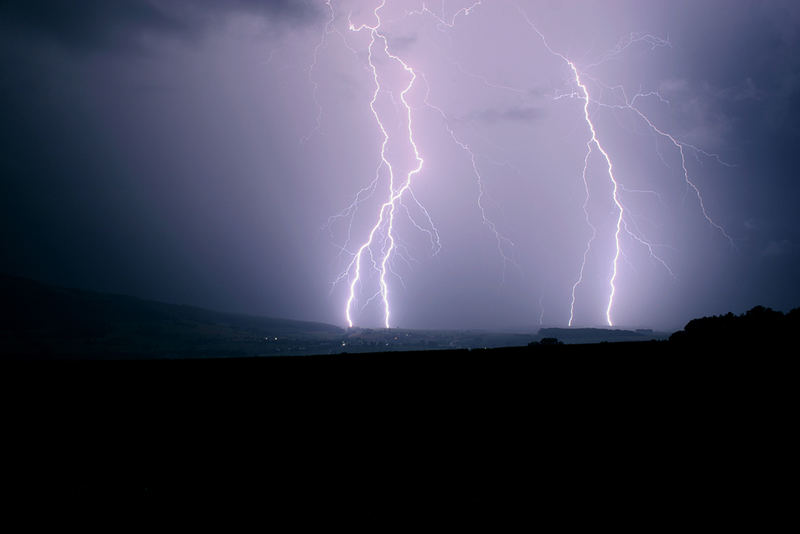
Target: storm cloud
[91,24]
[523,114]
[199,151]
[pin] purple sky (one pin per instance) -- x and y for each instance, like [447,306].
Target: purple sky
[194,153]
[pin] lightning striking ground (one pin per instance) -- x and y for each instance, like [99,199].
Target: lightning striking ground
[397,188]
[621,224]
[382,246]
[383,229]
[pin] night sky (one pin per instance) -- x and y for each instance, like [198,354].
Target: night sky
[198,152]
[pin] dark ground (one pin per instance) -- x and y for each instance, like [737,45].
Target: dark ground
[696,431]
[612,434]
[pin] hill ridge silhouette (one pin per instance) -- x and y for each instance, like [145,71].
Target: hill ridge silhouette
[38,320]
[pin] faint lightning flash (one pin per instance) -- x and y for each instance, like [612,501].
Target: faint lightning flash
[315,92]
[323,41]
[622,220]
[441,19]
[502,241]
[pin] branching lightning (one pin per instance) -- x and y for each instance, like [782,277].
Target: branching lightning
[382,246]
[397,187]
[621,224]
[382,240]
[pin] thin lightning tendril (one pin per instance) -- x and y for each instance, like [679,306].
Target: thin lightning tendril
[441,19]
[314,84]
[502,241]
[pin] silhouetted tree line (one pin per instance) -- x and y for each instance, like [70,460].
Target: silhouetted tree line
[758,326]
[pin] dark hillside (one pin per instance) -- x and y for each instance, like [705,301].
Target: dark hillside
[758,327]
[37,320]
[598,335]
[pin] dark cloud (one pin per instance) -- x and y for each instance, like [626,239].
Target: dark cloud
[514,114]
[402,42]
[85,24]
[149,147]
[298,11]
[99,23]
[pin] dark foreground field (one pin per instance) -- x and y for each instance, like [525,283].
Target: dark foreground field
[640,434]
[115,403]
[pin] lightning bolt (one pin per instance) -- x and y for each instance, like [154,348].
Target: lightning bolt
[382,245]
[592,144]
[382,233]
[621,225]
[397,187]
[595,142]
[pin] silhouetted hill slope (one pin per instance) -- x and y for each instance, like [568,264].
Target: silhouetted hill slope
[598,335]
[42,321]
[759,326]
[46,321]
